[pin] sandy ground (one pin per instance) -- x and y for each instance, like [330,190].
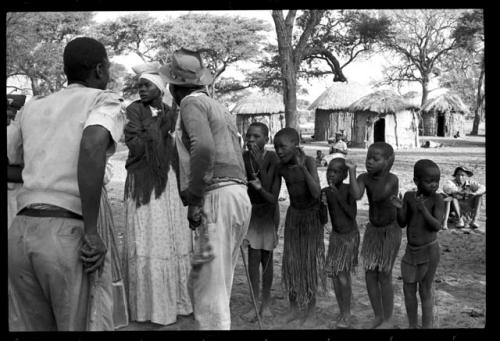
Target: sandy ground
[460,282]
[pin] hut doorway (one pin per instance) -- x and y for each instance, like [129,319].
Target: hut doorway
[440,125]
[379,130]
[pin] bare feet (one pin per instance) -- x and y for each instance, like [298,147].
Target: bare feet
[386,325]
[265,311]
[308,316]
[344,322]
[377,321]
[250,316]
[445,227]
[293,315]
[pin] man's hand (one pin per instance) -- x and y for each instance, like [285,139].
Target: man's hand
[93,252]
[194,216]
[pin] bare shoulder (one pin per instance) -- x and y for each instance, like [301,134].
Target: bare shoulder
[392,177]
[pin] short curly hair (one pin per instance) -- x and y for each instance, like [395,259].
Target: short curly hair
[81,55]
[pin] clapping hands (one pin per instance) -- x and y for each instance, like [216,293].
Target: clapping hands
[397,201]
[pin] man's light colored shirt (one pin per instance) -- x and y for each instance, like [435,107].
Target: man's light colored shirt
[46,136]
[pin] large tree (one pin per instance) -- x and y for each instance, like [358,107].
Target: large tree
[35,43]
[334,38]
[222,40]
[423,40]
[469,34]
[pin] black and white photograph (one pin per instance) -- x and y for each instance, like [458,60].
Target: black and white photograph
[260,169]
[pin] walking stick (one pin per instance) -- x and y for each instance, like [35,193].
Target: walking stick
[251,289]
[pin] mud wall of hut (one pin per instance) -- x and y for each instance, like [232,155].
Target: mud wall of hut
[401,129]
[272,121]
[329,122]
[453,122]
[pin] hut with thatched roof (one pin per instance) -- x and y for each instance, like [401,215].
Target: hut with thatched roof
[268,109]
[331,109]
[384,116]
[443,115]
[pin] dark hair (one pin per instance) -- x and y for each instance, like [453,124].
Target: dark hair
[341,162]
[422,167]
[262,126]
[81,55]
[386,149]
[289,133]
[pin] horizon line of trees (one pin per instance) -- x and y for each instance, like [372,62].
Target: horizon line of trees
[311,44]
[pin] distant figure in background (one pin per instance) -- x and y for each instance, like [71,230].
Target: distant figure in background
[465,197]
[320,159]
[158,241]
[339,147]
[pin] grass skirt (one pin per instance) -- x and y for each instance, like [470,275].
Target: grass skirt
[380,246]
[303,254]
[342,252]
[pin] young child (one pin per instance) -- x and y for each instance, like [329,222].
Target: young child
[422,212]
[303,251]
[263,190]
[383,235]
[342,256]
[320,159]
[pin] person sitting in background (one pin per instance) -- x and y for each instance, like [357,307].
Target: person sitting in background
[320,159]
[464,196]
[339,147]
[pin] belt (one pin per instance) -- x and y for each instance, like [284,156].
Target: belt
[59,213]
[223,184]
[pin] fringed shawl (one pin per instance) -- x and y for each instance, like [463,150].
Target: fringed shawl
[150,151]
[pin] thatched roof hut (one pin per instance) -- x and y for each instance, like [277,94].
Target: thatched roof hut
[267,108]
[331,109]
[384,116]
[443,115]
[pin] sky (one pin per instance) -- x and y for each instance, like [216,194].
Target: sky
[364,72]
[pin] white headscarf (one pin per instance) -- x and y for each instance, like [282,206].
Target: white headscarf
[150,71]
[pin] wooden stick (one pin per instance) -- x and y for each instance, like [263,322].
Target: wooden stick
[250,286]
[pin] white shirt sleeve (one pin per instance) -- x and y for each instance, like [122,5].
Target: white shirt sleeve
[108,112]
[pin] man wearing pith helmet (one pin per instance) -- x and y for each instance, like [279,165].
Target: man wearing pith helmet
[212,183]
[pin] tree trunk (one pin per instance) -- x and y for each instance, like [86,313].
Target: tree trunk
[34,87]
[288,74]
[425,90]
[290,99]
[479,102]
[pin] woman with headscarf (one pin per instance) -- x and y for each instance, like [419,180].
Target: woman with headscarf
[158,240]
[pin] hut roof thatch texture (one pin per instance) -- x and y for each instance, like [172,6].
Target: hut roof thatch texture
[260,104]
[382,102]
[445,102]
[413,97]
[340,96]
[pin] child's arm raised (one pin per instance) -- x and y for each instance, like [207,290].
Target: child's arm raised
[402,208]
[311,175]
[357,186]
[434,220]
